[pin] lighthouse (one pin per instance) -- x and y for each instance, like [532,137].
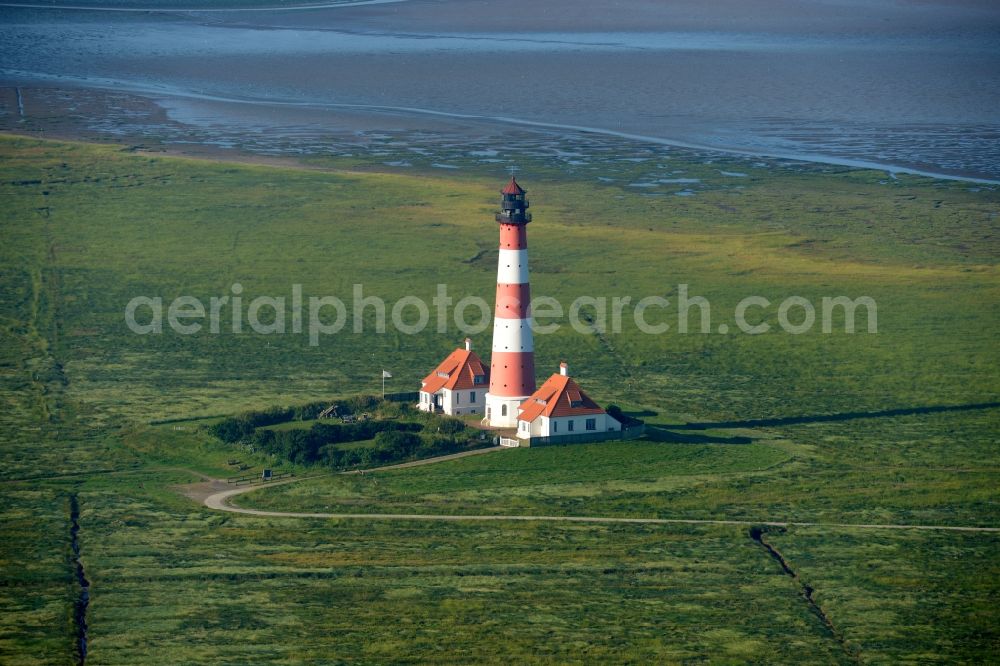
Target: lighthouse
[512,364]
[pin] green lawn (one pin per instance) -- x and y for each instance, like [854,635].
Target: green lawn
[909,597]
[776,479]
[235,590]
[793,427]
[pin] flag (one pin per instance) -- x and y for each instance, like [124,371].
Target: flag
[386,374]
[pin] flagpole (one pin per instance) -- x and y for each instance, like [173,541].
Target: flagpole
[385,375]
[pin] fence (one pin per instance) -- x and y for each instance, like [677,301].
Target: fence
[256,477]
[410,396]
[582,438]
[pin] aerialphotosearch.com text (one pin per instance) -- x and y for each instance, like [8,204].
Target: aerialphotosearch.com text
[363,313]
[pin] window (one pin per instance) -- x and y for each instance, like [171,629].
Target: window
[569,425]
[555,426]
[457,396]
[479,379]
[591,424]
[503,410]
[472,396]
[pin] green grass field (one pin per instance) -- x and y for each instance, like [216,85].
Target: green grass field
[830,428]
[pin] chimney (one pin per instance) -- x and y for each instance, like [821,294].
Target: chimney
[468,344]
[563,369]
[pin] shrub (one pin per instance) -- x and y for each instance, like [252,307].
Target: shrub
[395,440]
[231,430]
[361,403]
[450,426]
[308,412]
[397,445]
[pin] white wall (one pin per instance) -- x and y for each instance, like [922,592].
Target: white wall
[558,426]
[527,429]
[456,402]
[512,267]
[495,406]
[426,402]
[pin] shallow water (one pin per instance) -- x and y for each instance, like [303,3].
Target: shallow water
[915,89]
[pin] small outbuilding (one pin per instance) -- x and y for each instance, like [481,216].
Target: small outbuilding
[560,408]
[457,386]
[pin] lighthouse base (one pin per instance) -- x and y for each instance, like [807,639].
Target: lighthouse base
[501,410]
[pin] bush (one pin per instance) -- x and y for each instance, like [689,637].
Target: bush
[331,456]
[361,403]
[231,430]
[299,447]
[394,440]
[443,445]
[451,426]
[269,416]
[263,440]
[242,426]
[308,412]
[389,410]
[396,444]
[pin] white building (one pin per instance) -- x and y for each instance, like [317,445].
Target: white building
[559,408]
[457,386]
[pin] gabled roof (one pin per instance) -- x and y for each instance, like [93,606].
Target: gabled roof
[458,371]
[558,396]
[512,187]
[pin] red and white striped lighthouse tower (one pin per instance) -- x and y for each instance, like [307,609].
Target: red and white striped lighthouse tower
[512,364]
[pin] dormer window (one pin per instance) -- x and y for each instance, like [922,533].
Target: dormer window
[479,379]
[576,403]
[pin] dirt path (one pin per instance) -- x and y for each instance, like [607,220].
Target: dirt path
[220,502]
[215,494]
[429,461]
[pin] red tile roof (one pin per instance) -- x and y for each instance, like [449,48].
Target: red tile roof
[558,396]
[512,187]
[458,371]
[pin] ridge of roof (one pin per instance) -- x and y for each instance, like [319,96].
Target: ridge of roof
[460,369]
[558,396]
[512,187]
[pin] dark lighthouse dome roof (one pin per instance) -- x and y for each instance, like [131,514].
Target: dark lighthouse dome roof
[512,187]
